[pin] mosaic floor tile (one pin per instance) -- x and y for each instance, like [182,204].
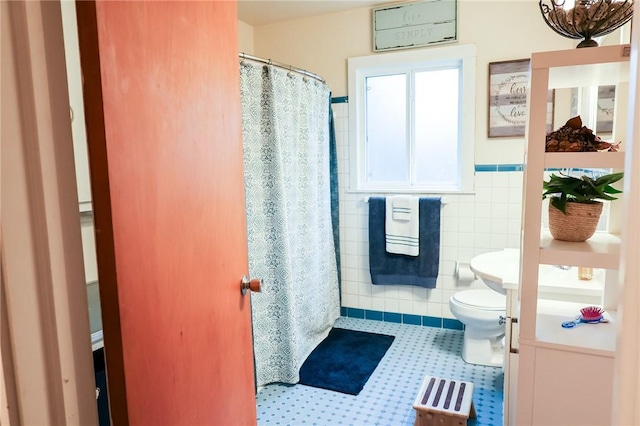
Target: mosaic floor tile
[387,398]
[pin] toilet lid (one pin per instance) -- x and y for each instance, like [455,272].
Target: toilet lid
[483,299]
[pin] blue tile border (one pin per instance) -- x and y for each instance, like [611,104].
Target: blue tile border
[486,168]
[425,321]
[392,317]
[373,315]
[499,167]
[509,167]
[432,322]
[411,319]
[340,100]
[452,324]
[479,168]
[355,313]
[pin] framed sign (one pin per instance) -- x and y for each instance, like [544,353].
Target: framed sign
[508,91]
[414,24]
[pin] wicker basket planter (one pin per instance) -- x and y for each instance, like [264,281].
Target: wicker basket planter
[579,224]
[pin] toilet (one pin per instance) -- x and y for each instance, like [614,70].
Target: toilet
[480,311]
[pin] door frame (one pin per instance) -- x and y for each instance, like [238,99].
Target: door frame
[45,305]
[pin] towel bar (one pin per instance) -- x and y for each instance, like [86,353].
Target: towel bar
[443,200]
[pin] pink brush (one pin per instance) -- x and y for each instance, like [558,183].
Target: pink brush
[592,313]
[589,315]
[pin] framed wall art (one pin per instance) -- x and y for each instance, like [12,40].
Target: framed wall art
[508,91]
[606,107]
[415,24]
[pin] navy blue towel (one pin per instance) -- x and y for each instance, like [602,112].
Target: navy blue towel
[421,270]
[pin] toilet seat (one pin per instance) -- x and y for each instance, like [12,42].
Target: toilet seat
[484,299]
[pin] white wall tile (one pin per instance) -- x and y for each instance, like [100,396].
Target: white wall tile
[447,267]
[419,293]
[516,179]
[446,312]
[513,226]
[449,224]
[465,254]
[448,282]
[498,226]
[499,210]
[362,263]
[350,250]
[483,194]
[350,234]
[378,291]
[434,310]
[466,209]
[449,253]
[405,292]
[391,305]
[498,241]
[434,295]
[349,287]
[419,308]
[483,210]
[350,301]
[483,180]
[350,275]
[466,224]
[365,302]
[405,306]
[377,303]
[514,211]
[499,180]
[482,240]
[513,241]
[350,221]
[515,195]
[364,288]
[449,238]
[465,240]
[482,224]
[451,209]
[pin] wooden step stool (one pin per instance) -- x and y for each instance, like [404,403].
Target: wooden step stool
[444,402]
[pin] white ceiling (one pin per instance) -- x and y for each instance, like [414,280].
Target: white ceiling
[262,12]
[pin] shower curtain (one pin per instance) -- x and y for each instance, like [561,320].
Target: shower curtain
[285,128]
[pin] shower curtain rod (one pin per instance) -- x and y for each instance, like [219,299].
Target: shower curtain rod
[281,65]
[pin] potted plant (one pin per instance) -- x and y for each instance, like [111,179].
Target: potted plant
[574,209]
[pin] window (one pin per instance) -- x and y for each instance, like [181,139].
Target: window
[412,120]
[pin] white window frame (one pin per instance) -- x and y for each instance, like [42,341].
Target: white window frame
[408,62]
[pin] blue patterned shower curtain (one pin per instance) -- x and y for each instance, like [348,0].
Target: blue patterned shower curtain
[285,128]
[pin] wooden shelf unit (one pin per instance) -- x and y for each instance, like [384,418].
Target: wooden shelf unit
[543,344]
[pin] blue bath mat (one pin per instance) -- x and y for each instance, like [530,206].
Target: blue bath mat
[344,361]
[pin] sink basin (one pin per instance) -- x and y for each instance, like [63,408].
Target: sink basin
[500,271]
[496,268]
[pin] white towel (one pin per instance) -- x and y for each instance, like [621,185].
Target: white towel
[402,225]
[401,207]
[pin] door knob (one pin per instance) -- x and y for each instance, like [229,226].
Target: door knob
[254,285]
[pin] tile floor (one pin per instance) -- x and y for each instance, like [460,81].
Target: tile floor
[387,398]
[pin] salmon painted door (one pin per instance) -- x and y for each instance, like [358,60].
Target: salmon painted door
[162,97]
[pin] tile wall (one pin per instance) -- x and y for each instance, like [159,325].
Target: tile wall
[488,220]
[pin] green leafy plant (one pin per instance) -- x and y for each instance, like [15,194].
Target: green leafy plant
[564,189]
